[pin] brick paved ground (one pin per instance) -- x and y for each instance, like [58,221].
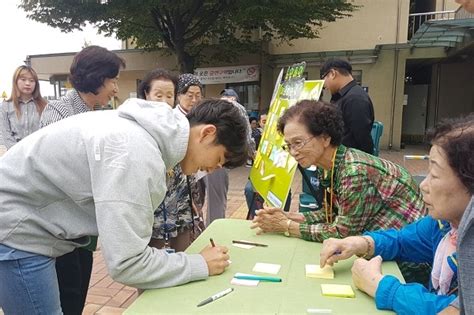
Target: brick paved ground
[109,297]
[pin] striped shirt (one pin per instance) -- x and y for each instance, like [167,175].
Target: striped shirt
[69,105]
[14,129]
[370,193]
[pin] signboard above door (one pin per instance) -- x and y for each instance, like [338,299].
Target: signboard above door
[231,74]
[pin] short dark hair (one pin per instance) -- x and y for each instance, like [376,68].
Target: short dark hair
[320,118]
[156,74]
[342,66]
[232,128]
[456,138]
[92,66]
[253,119]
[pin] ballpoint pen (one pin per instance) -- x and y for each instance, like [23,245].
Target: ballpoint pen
[250,243]
[216,296]
[212,242]
[255,277]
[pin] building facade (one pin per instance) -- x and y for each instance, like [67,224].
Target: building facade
[415,58]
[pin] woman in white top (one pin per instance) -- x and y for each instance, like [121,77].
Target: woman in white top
[22,111]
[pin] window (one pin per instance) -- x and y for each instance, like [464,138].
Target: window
[249,94]
[357,75]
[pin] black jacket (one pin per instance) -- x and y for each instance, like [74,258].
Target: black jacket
[358,115]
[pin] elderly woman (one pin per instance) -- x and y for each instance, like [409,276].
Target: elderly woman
[189,92]
[447,192]
[362,192]
[177,219]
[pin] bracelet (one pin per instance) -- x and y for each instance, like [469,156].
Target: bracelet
[287,233]
[369,248]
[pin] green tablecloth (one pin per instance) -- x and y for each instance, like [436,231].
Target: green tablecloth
[294,295]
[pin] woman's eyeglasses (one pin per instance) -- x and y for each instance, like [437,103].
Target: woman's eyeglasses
[297,145]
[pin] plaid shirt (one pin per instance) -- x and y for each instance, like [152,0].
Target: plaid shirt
[369,194]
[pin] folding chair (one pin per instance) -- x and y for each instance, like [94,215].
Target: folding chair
[376,133]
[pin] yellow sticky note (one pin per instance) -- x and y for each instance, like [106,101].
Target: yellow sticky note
[339,290]
[315,271]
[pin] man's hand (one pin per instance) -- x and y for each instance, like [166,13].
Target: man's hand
[217,259]
[367,274]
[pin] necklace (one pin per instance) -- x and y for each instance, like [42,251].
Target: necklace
[328,210]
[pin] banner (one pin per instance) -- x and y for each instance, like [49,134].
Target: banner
[273,168]
[219,75]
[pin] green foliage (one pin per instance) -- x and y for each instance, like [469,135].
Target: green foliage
[193,30]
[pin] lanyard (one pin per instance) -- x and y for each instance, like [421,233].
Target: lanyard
[166,233]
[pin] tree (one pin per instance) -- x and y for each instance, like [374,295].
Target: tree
[193,30]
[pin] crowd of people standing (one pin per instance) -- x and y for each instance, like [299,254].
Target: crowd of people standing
[138,177]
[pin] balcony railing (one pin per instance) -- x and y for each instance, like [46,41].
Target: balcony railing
[461,13]
[417,19]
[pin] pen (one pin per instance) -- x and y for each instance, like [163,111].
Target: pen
[212,242]
[249,243]
[216,296]
[260,278]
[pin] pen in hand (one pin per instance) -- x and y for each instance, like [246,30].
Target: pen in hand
[212,242]
[215,297]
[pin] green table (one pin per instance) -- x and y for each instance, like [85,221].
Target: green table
[294,295]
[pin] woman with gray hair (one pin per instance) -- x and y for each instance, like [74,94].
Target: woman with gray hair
[189,92]
[444,238]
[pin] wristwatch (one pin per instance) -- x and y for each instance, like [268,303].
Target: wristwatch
[287,232]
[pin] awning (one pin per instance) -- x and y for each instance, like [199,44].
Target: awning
[443,33]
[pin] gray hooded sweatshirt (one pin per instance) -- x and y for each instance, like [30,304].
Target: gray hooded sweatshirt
[98,173]
[465,252]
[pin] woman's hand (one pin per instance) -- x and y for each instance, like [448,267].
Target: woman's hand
[367,274]
[450,310]
[270,220]
[339,249]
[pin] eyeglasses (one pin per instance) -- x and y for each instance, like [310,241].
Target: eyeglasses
[297,145]
[193,96]
[325,74]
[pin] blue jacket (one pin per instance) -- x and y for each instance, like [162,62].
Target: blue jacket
[417,243]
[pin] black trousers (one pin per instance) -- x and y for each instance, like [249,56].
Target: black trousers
[74,274]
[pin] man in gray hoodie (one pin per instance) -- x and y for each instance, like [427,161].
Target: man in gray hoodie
[104,173]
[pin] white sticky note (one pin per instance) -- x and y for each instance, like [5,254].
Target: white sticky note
[244,246]
[315,271]
[244,282]
[267,268]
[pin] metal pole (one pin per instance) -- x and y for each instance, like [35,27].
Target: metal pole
[395,80]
